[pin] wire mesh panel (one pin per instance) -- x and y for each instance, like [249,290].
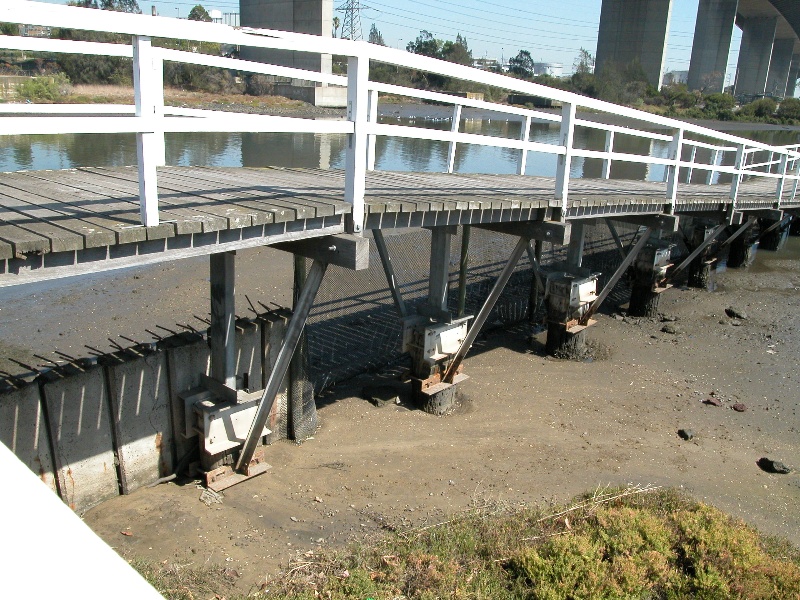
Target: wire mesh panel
[355,327]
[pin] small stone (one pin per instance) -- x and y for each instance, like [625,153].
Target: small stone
[735,313]
[381,394]
[671,329]
[295,519]
[668,318]
[317,499]
[712,402]
[739,407]
[686,434]
[736,323]
[619,317]
[773,466]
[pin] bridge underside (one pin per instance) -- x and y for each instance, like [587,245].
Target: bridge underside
[62,223]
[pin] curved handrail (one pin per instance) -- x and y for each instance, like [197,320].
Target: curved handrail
[149,118]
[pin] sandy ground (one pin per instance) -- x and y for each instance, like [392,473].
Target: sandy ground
[532,430]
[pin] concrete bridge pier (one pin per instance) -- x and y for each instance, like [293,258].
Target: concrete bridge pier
[794,73]
[714,26]
[634,31]
[752,71]
[780,66]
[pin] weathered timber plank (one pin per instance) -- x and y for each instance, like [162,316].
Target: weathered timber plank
[279,211]
[232,217]
[93,236]
[258,214]
[101,200]
[186,220]
[40,193]
[100,209]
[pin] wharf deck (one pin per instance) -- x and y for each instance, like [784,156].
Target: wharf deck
[61,223]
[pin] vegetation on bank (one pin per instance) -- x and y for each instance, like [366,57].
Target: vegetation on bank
[629,543]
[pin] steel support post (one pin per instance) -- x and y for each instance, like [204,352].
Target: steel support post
[463,265]
[222,332]
[440,268]
[284,358]
[616,276]
[486,309]
[575,249]
[537,285]
[388,270]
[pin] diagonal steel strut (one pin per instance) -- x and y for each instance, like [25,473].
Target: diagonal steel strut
[696,252]
[388,269]
[487,307]
[290,340]
[616,276]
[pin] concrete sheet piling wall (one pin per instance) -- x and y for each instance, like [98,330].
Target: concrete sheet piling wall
[119,425]
[139,397]
[82,438]
[23,430]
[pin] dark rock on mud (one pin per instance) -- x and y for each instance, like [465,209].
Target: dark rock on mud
[671,329]
[686,434]
[773,466]
[739,407]
[735,313]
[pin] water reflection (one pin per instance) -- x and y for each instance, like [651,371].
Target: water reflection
[325,151]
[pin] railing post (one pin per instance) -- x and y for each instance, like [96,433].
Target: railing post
[524,136]
[454,127]
[373,118]
[691,167]
[736,180]
[149,152]
[356,155]
[782,181]
[566,139]
[673,171]
[796,181]
[608,149]
[714,161]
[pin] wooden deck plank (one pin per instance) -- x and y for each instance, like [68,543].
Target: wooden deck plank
[91,236]
[98,198]
[241,195]
[228,216]
[40,192]
[186,220]
[117,214]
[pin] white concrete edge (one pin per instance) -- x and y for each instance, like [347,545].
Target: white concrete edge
[50,552]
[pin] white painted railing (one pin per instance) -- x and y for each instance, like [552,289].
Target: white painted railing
[150,119]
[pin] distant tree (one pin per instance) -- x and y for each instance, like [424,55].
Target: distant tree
[719,106]
[9,29]
[198,13]
[83,3]
[336,22]
[521,65]
[425,45]
[789,108]
[584,63]
[127,6]
[375,36]
[457,52]
[763,108]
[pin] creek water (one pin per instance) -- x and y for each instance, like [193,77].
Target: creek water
[41,152]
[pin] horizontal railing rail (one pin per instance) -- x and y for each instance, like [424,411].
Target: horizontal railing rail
[149,118]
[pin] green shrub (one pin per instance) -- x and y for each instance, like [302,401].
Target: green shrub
[789,108]
[763,108]
[44,89]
